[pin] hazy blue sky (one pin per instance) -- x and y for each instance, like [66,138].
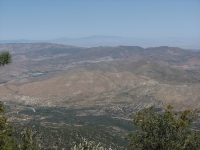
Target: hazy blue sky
[48,19]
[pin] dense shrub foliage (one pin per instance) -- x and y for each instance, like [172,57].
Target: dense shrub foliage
[165,131]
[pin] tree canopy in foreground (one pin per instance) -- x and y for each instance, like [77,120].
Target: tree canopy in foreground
[165,131]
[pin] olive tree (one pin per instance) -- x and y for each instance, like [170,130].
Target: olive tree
[165,131]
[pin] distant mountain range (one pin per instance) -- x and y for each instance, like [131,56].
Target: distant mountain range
[187,43]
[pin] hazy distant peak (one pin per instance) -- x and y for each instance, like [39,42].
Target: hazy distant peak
[97,40]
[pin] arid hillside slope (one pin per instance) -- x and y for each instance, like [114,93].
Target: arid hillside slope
[121,93]
[65,93]
[119,79]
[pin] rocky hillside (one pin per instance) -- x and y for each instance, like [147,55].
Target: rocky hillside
[36,59]
[54,85]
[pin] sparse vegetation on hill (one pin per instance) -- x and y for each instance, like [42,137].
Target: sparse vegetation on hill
[168,129]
